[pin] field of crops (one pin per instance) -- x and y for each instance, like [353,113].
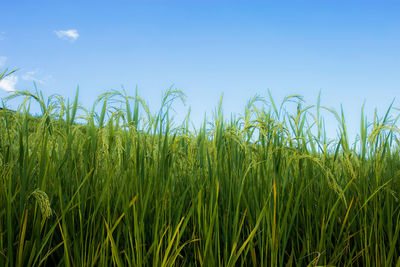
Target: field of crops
[118,185]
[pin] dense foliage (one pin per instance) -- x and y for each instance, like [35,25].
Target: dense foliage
[126,187]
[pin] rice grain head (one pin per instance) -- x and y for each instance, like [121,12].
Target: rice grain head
[43,201]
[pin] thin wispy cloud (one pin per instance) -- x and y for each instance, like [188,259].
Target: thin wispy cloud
[2,36]
[3,60]
[33,76]
[70,35]
[8,83]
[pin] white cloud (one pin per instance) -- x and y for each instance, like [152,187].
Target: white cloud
[2,61]
[70,35]
[8,83]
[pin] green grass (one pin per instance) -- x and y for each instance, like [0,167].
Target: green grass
[130,188]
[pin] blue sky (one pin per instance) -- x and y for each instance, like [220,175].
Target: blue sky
[348,50]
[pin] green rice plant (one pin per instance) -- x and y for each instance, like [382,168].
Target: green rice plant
[119,185]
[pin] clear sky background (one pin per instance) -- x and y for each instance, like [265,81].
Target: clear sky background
[348,50]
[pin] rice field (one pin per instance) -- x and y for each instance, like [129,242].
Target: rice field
[119,185]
